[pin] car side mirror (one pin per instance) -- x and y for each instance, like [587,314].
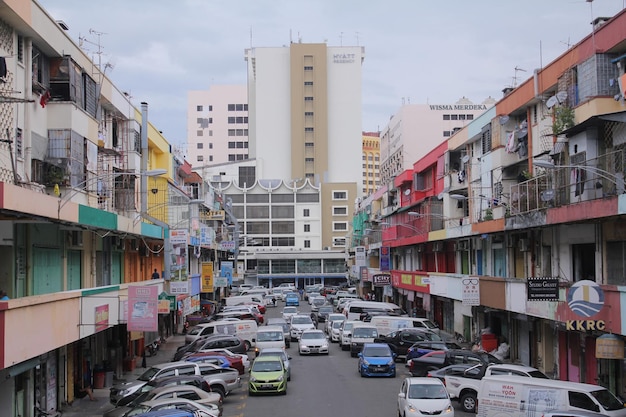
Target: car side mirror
[360,355]
[401,395]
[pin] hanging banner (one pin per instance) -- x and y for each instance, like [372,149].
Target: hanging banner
[226,271]
[360,256]
[471,291]
[206,281]
[385,258]
[179,240]
[143,304]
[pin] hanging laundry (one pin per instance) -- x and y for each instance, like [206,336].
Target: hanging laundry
[510,143]
[45,98]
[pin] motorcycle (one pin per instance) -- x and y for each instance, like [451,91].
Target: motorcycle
[152,348]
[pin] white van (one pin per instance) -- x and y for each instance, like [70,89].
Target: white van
[361,333]
[244,329]
[236,300]
[269,337]
[518,396]
[353,308]
[389,324]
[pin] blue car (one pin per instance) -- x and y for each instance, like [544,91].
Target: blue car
[377,359]
[292,299]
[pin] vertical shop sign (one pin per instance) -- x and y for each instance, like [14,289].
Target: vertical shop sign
[143,304]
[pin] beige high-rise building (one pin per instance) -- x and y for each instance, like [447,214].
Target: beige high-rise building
[371,162]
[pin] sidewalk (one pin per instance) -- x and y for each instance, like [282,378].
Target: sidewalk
[85,408]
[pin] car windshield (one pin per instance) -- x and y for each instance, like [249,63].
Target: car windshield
[336,324]
[607,400]
[269,336]
[348,326]
[364,332]
[326,310]
[427,392]
[312,335]
[302,320]
[267,366]
[378,352]
[282,354]
[138,410]
[149,374]
[319,301]
[290,310]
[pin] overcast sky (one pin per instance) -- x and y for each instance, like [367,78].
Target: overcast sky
[418,51]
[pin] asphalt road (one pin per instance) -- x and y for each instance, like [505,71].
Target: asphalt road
[322,385]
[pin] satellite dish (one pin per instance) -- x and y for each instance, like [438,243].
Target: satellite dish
[561,96]
[552,101]
[407,191]
[465,159]
[504,119]
[440,196]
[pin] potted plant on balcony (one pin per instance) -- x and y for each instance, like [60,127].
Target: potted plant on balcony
[488,214]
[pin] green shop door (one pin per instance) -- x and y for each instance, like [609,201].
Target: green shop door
[47,271]
[74,269]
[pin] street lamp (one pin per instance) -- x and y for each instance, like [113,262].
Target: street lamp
[614,178]
[78,188]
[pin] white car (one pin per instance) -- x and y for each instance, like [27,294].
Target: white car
[278,294]
[329,321]
[313,341]
[289,312]
[424,393]
[345,334]
[335,330]
[300,323]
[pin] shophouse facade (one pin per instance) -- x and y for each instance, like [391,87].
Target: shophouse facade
[513,226]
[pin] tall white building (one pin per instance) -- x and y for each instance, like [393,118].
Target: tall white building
[417,129]
[305,111]
[217,125]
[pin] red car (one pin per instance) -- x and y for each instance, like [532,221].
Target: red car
[235,362]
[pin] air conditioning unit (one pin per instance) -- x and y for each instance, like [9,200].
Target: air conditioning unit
[438,247]
[524,245]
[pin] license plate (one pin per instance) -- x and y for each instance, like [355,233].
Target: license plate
[314,350]
[267,386]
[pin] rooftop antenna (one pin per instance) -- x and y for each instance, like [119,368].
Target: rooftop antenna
[357,38]
[341,39]
[251,36]
[593,29]
[517,69]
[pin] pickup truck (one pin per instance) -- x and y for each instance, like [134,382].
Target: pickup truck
[438,359]
[463,385]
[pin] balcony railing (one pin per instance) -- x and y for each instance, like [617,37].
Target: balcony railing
[590,179]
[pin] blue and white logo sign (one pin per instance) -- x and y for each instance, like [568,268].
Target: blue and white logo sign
[585,298]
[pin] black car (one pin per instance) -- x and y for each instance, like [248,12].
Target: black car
[216,341]
[438,359]
[323,312]
[137,397]
[425,346]
[401,340]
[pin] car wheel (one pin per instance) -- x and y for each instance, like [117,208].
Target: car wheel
[250,393]
[246,345]
[220,390]
[468,402]
[353,354]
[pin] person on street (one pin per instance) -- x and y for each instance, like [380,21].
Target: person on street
[155,274]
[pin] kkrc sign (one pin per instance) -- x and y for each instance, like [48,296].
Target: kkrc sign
[585,298]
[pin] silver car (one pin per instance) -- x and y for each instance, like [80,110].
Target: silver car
[281,354]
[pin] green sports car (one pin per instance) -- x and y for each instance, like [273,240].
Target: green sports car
[267,374]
